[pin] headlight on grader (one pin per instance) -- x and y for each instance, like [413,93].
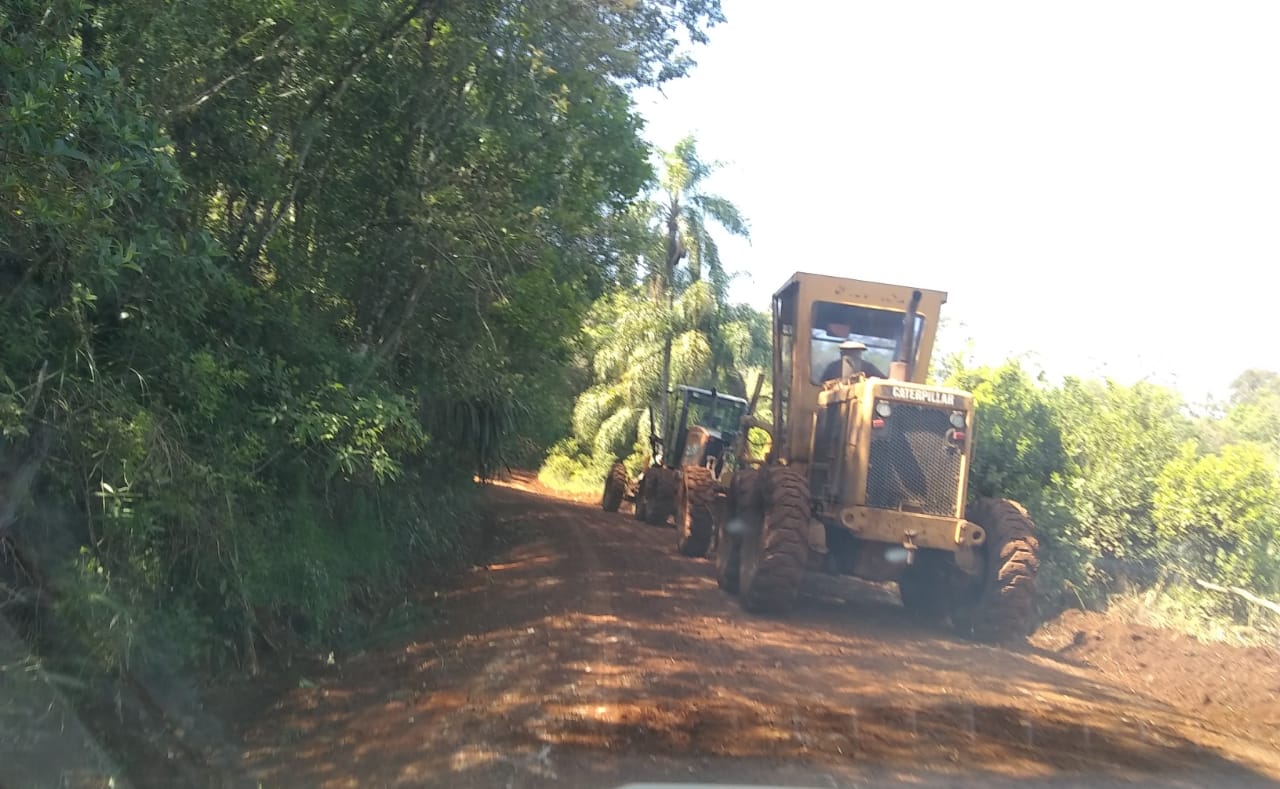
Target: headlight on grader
[958,420]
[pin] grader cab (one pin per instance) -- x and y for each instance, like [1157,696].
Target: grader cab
[868,472]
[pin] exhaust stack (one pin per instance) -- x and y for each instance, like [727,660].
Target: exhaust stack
[900,367]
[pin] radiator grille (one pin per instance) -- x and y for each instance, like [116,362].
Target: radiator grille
[913,464]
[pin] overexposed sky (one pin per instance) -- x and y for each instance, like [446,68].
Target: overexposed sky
[1094,183]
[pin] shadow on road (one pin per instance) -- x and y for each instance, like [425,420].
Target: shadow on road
[590,654]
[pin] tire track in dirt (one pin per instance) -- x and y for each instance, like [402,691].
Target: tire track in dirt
[589,653]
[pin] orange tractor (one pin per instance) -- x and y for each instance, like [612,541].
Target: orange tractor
[685,468]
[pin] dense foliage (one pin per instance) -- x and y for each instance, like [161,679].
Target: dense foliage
[277,279]
[1129,490]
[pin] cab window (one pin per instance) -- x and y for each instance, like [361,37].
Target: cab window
[879,330]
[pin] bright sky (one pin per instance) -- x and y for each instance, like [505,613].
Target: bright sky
[1096,183]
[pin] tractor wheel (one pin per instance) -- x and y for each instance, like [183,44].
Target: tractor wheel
[660,502]
[774,556]
[694,521]
[1001,606]
[744,514]
[615,487]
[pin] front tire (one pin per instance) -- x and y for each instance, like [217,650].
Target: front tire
[774,556]
[1001,607]
[615,488]
[694,520]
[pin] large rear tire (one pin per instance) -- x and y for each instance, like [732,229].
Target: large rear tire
[695,523]
[615,488]
[774,556]
[744,515]
[1001,606]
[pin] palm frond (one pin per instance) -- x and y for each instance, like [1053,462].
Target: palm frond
[693,170]
[695,307]
[593,408]
[709,253]
[616,435]
[725,213]
[691,358]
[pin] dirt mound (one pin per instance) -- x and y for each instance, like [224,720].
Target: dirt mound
[1236,688]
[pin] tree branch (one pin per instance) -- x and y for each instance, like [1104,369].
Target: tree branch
[195,103]
[331,93]
[351,68]
[1238,592]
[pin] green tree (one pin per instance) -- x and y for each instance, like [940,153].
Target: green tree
[1253,412]
[1118,440]
[1218,515]
[1084,458]
[1020,454]
[1019,446]
[682,210]
[672,322]
[622,344]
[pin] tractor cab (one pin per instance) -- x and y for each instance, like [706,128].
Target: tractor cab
[706,425]
[686,464]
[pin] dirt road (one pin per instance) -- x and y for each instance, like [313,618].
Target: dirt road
[589,654]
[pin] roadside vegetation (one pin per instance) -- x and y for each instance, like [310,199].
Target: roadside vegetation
[277,281]
[1171,511]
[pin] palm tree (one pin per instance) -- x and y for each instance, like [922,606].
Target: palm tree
[623,339]
[683,210]
[665,321]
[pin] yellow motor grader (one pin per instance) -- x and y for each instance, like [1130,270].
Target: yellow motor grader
[868,470]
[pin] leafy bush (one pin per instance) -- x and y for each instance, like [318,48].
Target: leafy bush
[1218,515]
[1119,498]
